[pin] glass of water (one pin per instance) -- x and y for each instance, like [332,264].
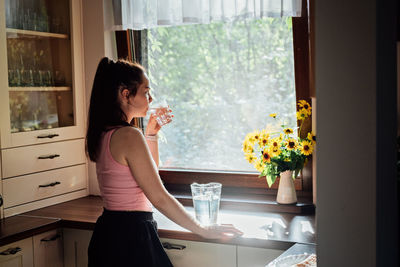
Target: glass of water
[158,108]
[206,198]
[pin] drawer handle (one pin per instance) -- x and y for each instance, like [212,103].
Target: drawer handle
[55,237]
[49,156]
[11,251]
[168,245]
[48,136]
[51,184]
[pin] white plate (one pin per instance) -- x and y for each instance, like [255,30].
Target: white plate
[288,260]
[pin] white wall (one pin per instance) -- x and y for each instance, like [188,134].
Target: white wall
[346,127]
[98,42]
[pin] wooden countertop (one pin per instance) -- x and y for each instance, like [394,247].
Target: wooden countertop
[19,227]
[261,229]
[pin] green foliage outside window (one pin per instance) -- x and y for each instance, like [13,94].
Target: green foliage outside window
[221,80]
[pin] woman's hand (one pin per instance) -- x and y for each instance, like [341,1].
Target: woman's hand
[153,126]
[220,231]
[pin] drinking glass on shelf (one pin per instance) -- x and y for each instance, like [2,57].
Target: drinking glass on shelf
[27,77]
[158,107]
[27,20]
[47,77]
[37,78]
[14,77]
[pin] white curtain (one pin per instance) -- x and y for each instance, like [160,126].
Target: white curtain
[144,14]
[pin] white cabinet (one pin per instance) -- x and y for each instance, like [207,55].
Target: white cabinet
[48,249]
[42,250]
[76,243]
[41,103]
[17,254]
[201,254]
[182,254]
[255,257]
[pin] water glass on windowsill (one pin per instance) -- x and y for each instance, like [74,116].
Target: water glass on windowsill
[206,199]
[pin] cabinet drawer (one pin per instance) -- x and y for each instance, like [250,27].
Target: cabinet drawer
[23,189]
[29,159]
[23,256]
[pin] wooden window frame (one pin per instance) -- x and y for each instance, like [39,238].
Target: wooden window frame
[130,45]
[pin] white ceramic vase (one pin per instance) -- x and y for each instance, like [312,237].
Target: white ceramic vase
[286,192]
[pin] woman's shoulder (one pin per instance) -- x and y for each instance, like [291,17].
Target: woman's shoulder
[128,134]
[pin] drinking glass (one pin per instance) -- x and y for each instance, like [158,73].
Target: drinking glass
[206,198]
[156,107]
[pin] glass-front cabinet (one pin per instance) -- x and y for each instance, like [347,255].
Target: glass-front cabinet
[41,91]
[42,143]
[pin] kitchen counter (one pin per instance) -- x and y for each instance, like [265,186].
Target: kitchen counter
[261,229]
[19,227]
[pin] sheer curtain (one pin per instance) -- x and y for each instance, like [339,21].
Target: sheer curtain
[144,14]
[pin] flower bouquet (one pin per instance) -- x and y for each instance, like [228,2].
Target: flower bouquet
[273,153]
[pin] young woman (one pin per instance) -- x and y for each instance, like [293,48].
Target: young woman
[126,165]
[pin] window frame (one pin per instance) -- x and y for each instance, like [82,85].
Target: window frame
[130,45]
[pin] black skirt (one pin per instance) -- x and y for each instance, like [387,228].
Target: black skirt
[126,238]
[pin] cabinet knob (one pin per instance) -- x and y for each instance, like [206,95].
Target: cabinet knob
[49,156]
[10,251]
[168,245]
[48,136]
[48,185]
[1,201]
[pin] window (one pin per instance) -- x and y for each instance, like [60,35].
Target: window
[221,80]
[220,103]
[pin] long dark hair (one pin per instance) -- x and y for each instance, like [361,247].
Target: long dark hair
[104,110]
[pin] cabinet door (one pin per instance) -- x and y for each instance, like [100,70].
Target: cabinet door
[17,254]
[41,74]
[48,249]
[76,243]
[201,254]
[256,257]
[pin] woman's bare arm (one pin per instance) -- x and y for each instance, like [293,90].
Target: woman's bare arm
[143,168]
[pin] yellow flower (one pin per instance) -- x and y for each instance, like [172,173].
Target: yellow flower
[250,138]
[287,159]
[304,107]
[259,165]
[288,131]
[273,115]
[275,142]
[301,103]
[291,143]
[247,147]
[306,148]
[301,114]
[250,157]
[256,135]
[275,151]
[266,156]
[311,136]
[263,140]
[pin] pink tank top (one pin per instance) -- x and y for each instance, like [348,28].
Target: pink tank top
[118,188]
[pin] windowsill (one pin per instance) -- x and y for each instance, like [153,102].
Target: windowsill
[251,202]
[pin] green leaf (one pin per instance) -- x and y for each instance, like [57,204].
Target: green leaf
[269,180]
